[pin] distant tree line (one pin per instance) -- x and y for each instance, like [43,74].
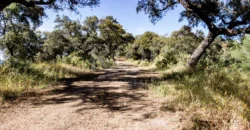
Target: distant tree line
[19,19]
[88,39]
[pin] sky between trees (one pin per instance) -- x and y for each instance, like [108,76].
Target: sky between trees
[125,12]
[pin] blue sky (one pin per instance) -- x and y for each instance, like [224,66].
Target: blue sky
[125,12]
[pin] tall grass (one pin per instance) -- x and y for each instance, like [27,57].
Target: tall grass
[220,96]
[20,78]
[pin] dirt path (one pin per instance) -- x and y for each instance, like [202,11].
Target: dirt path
[110,99]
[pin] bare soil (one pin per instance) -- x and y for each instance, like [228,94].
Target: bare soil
[110,99]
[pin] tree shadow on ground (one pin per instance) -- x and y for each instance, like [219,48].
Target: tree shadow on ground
[112,89]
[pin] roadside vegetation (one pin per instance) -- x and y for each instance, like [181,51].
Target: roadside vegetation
[21,78]
[215,94]
[36,59]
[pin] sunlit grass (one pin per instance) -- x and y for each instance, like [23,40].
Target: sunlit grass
[16,82]
[220,95]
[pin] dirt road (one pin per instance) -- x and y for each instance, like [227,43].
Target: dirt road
[109,99]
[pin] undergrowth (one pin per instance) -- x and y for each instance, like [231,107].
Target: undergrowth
[217,97]
[19,78]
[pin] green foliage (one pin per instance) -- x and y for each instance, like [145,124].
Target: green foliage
[38,59]
[52,4]
[215,14]
[176,49]
[165,51]
[169,58]
[145,47]
[83,40]
[219,53]
[74,61]
[55,45]
[241,54]
[229,19]
[113,35]
[92,40]
[17,34]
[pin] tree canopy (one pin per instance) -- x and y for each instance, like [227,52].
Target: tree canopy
[18,31]
[31,12]
[54,4]
[113,35]
[227,18]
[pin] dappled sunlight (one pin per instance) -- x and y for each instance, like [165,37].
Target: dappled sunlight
[110,88]
[116,94]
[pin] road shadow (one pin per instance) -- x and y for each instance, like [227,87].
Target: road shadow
[112,89]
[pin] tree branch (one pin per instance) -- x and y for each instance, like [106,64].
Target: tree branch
[233,24]
[26,3]
[203,16]
[167,6]
[234,32]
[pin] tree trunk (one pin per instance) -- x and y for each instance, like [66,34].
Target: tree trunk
[113,56]
[200,50]
[10,49]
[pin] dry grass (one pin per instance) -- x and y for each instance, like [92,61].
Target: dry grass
[18,81]
[213,98]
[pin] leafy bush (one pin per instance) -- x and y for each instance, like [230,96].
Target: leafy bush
[73,60]
[169,58]
[146,47]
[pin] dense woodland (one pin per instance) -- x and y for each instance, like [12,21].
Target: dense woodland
[219,82]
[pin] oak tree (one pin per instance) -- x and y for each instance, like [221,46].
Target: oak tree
[17,32]
[226,18]
[146,44]
[113,35]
